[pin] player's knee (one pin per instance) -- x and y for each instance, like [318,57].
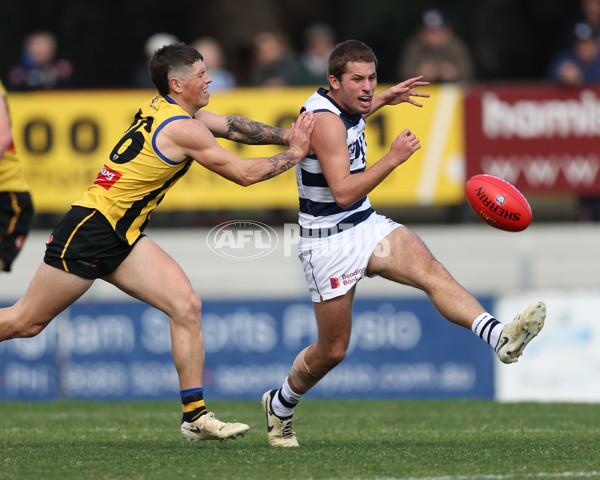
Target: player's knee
[335,356]
[20,329]
[439,272]
[17,322]
[194,304]
[431,274]
[30,331]
[435,268]
[188,307]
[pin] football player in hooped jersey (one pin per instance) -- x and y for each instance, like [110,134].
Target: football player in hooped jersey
[342,238]
[102,235]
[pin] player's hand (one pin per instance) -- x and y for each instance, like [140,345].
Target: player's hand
[300,133]
[404,145]
[403,92]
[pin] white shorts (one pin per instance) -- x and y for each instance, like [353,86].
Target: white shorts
[334,264]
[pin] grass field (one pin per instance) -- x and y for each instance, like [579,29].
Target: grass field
[338,440]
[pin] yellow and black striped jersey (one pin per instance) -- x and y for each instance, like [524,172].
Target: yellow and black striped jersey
[11,175]
[137,175]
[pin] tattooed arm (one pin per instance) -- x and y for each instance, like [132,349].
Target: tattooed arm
[243,130]
[188,138]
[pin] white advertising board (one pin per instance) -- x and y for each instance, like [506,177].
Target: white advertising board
[563,362]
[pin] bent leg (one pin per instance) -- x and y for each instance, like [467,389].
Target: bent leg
[334,323]
[411,263]
[50,292]
[151,275]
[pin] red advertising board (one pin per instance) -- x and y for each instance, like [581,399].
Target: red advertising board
[539,137]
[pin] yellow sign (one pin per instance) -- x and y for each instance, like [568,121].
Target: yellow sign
[63,139]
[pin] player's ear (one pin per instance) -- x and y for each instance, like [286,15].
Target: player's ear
[334,83]
[175,85]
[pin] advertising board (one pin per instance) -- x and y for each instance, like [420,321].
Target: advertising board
[398,349]
[64,138]
[542,138]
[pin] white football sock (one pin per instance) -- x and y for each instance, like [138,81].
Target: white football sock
[487,328]
[285,400]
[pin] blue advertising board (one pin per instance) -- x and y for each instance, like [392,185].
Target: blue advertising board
[399,348]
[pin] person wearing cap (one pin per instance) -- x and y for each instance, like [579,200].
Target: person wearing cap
[578,64]
[436,52]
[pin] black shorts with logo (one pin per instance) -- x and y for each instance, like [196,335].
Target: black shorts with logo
[84,243]
[16,214]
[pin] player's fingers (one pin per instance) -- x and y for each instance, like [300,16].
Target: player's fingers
[411,80]
[414,102]
[308,117]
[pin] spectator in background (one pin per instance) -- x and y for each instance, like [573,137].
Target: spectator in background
[16,208]
[589,12]
[576,66]
[273,59]
[39,67]
[580,62]
[311,68]
[436,53]
[214,60]
[141,76]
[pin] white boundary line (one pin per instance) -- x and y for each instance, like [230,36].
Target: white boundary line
[542,475]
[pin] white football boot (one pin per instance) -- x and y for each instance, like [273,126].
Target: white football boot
[280,432]
[516,335]
[207,427]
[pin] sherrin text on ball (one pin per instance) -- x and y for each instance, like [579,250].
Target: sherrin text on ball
[498,203]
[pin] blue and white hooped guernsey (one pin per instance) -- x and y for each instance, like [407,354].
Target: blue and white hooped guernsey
[319,215]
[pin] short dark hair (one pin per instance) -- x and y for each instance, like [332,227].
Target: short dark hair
[349,51]
[168,58]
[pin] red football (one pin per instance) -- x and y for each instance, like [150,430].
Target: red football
[498,203]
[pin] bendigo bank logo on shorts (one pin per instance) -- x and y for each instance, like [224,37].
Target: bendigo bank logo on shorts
[107,177]
[347,278]
[353,277]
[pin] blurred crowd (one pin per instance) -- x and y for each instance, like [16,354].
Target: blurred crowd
[433,50]
[272,59]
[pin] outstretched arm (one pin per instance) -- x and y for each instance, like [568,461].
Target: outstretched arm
[190,138]
[243,130]
[399,93]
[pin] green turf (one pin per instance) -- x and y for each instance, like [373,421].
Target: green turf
[466,440]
